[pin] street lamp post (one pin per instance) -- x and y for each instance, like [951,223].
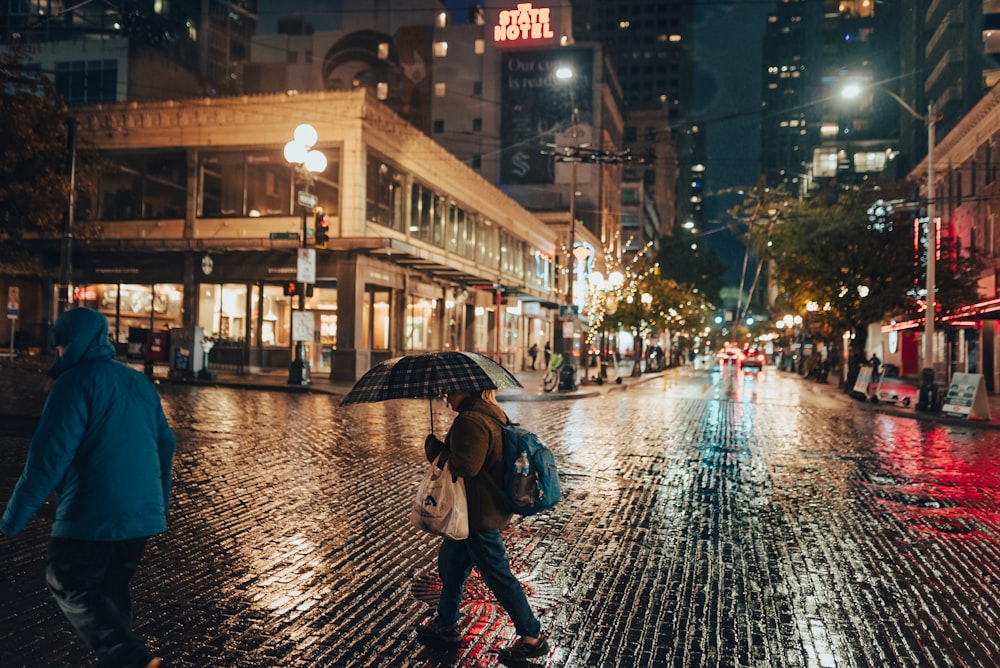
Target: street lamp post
[567,376]
[927,398]
[307,163]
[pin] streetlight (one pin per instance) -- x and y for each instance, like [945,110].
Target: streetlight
[567,377]
[928,390]
[306,163]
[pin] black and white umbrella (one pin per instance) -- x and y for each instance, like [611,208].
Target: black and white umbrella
[429,376]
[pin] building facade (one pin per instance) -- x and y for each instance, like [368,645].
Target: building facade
[204,222]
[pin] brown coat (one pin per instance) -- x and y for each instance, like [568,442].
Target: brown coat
[475,448]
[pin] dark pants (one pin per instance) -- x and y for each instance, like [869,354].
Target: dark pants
[90,582]
[485,550]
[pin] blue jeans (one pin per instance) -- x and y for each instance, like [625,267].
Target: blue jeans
[90,582]
[485,550]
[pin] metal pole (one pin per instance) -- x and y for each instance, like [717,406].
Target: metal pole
[567,376]
[298,371]
[931,246]
[66,259]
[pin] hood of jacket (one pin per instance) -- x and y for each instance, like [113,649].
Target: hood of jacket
[83,335]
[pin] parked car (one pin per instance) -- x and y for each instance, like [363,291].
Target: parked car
[752,360]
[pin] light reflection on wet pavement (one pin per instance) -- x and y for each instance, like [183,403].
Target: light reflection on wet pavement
[728,521]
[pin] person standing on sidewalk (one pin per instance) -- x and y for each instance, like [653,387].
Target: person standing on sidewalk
[475,453]
[104,448]
[533,354]
[876,367]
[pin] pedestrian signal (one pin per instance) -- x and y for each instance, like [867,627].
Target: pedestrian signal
[322,229]
[292,289]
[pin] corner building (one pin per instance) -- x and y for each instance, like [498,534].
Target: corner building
[203,225]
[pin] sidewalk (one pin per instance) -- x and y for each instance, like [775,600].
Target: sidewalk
[277,380]
[896,391]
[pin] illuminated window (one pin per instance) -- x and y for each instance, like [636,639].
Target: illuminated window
[479,47]
[439,89]
[872,161]
[382,90]
[440,49]
[825,162]
[383,50]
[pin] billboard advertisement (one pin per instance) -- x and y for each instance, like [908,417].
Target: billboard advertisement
[536,110]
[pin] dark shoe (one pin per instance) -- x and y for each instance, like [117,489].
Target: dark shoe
[431,632]
[522,650]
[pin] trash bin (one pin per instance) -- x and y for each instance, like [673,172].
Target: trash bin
[157,348]
[928,398]
[137,343]
[182,359]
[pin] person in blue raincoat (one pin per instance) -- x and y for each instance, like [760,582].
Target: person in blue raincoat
[104,448]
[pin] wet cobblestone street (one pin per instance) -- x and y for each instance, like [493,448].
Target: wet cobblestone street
[727,521]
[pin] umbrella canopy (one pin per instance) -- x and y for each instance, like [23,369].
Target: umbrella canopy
[429,375]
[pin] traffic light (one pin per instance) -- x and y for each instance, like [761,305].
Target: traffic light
[291,289]
[322,229]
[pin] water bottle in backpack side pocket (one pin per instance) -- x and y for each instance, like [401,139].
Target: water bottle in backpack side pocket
[523,484]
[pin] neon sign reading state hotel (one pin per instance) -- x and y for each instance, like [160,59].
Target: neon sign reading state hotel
[523,23]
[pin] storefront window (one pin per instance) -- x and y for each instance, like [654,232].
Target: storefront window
[133,305]
[222,311]
[420,323]
[481,329]
[261,183]
[375,319]
[384,194]
[269,184]
[275,317]
[143,185]
[488,237]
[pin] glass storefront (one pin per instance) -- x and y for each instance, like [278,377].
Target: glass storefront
[375,319]
[420,324]
[131,305]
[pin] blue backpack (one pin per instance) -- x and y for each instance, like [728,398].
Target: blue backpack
[531,482]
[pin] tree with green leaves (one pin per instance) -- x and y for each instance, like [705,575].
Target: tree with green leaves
[34,166]
[644,301]
[842,261]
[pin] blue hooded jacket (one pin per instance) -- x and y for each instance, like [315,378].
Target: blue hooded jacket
[102,446]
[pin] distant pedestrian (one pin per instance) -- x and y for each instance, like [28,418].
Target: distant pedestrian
[475,453]
[876,366]
[104,449]
[533,354]
[548,354]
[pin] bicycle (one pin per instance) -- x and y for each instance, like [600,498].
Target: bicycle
[550,380]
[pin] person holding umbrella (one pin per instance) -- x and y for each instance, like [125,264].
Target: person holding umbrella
[475,453]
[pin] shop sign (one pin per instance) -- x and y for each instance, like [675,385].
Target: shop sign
[526,23]
[306,266]
[967,397]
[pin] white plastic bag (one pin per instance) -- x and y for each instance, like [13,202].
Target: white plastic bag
[440,506]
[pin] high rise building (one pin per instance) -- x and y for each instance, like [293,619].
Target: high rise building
[649,43]
[132,50]
[791,85]
[898,58]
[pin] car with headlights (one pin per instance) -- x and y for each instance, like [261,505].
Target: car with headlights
[729,355]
